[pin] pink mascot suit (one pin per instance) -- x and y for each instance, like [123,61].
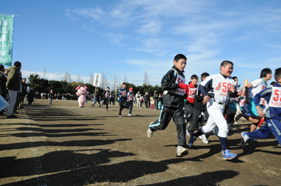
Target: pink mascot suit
[82,93]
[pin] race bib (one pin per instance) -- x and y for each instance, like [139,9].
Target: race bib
[223,88]
[275,98]
[180,80]
[191,92]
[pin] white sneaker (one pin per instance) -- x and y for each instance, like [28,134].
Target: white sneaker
[181,151]
[120,116]
[187,133]
[129,114]
[204,139]
[149,133]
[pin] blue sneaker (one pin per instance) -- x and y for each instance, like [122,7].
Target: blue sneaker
[227,155]
[244,139]
[192,139]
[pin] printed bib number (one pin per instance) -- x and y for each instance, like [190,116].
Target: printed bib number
[191,92]
[223,88]
[275,99]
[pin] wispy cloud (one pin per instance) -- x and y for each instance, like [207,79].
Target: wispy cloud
[199,29]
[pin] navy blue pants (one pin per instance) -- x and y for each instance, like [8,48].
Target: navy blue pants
[165,117]
[271,126]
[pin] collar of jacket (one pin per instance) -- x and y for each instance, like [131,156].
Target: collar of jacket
[179,72]
[277,85]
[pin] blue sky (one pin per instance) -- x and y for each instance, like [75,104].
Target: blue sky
[126,37]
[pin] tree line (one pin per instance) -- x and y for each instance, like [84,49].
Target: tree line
[41,85]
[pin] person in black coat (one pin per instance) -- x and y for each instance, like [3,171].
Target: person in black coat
[3,80]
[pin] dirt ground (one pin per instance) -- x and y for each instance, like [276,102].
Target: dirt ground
[66,145]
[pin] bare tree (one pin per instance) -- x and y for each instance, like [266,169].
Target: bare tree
[67,77]
[115,82]
[91,80]
[104,82]
[44,73]
[146,80]
[79,79]
[125,79]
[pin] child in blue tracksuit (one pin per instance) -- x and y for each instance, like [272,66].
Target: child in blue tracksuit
[272,112]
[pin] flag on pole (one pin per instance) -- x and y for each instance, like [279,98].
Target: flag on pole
[6,39]
[97,78]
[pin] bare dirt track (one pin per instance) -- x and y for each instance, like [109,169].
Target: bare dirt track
[66,145]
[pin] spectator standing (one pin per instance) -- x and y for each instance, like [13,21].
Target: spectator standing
[138,99]
[51,96]
[155,97]
[160,101]
[147,99]
[23,92]
[141,100]
[13,85]
[16,106]
[30,96]
[3,80]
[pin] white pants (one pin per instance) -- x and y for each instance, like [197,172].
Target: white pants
[13,100]
[216,118]
[138,103]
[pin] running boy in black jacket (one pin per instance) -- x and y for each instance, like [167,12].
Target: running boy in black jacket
[173,102]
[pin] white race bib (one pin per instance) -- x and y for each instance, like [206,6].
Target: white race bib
[191,92]
[275,98]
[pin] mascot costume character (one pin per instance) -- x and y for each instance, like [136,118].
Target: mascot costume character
[82,93]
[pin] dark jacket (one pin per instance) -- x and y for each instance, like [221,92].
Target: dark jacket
[106,95]
[3,80]
[122,95]
[13,79]
[30,95]
[97,95]
[51,95]
[198,105]
[155,97]
[168,83]
[23,89]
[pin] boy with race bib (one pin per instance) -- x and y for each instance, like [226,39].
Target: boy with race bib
[175,88]
[251,90]
[216,90]
[272,112]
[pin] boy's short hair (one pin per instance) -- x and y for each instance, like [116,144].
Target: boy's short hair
[225,63]
[108,87]
[17,63]
[124,84]
[234,77]
[204,74]
[265,71]
[179,56]
[194,76]
[1,67]
[277,73]
[273,83]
